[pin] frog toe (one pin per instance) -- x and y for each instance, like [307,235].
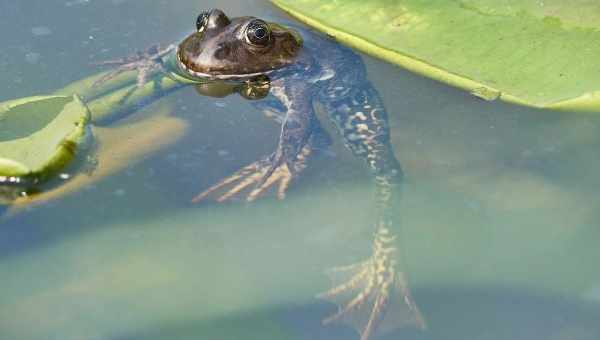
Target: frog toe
[259,174]
[145,63]
[239,177]
[281,175]
[372,298]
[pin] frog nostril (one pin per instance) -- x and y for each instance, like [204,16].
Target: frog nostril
[222,51]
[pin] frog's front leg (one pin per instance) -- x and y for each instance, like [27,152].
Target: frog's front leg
[300,135]
[260,174]
[143,62]
[372,295]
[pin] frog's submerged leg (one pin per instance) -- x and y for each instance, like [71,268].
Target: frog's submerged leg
[372,296]
[271,108]
[301,135]
[254,174]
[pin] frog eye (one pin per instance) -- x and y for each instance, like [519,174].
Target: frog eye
[258,33]
[202,21]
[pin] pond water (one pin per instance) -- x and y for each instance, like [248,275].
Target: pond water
[499,215]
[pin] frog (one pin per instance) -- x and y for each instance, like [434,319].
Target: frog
[290,73]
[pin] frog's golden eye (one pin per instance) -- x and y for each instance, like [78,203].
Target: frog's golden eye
[258,33]
[202,21]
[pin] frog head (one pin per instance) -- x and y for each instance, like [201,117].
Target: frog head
[239,48]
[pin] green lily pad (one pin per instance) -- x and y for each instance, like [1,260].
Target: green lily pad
[540,54]
[40,135]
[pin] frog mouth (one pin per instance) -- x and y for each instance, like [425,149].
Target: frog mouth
[190,72]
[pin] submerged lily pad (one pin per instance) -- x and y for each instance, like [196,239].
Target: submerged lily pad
[40,135]
[540,54]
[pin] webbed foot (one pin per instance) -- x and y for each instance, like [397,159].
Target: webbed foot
[262,174]
[373,297]
[144,62]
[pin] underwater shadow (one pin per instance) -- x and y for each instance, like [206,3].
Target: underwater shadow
[452,314]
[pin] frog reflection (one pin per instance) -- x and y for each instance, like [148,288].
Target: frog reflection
[295,72]
[252,89]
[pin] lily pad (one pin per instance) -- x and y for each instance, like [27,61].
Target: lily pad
[40,135]
[116,147]
[539,54]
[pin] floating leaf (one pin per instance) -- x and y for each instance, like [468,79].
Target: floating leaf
[540,54]
[40,135]
[117,148]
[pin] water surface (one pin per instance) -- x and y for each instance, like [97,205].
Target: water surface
[499,214]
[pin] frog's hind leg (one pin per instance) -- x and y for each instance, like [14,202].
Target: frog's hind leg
[373,296]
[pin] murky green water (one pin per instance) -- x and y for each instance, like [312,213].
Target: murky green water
[499,226]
